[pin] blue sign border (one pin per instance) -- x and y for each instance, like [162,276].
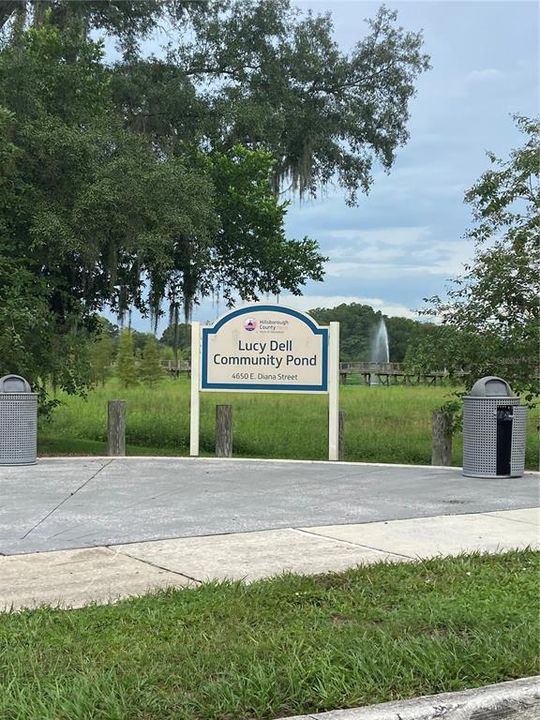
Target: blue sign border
[206,332]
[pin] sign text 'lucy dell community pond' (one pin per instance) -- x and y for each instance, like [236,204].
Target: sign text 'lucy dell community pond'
[265,348]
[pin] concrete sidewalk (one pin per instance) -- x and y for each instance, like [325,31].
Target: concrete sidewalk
[73,578]
[72,503]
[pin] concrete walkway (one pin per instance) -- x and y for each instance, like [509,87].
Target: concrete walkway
[74,531]
[87,502]
[72,578]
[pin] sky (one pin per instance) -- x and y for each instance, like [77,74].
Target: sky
[405,241]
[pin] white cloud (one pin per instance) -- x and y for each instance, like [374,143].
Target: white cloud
[394,236]
[395,252]
[308,302]
[485,75]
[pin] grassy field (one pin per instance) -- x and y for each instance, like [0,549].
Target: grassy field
[279,647]
[382,424]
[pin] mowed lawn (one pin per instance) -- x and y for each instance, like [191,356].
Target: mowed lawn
[286,646]
[383,424]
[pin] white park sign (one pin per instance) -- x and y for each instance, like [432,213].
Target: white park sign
[265,348]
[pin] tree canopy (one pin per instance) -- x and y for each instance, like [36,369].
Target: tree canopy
[155,180]
[177,336]
[260,74]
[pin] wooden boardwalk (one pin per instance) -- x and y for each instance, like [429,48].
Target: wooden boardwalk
[369,373]
[387,374]
[175,370]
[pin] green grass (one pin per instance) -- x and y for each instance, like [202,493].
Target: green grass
[382,424]
[289,645]
[55,446]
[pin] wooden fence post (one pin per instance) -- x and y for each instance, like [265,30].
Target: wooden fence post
[224,431]
[441,438]
[116,427]
[341,439]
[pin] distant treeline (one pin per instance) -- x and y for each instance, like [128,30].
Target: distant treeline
[358,323]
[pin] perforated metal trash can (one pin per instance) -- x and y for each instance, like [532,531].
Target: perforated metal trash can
[494,430]
[18,421]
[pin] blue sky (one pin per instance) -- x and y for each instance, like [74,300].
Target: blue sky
[405,240]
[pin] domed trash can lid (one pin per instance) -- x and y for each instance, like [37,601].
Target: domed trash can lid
[14,384]
[491,387]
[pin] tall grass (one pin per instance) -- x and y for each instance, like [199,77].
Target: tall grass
[383,424]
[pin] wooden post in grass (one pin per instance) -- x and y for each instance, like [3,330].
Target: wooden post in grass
[116,428]
[341,439]
[224,434]
[441,438]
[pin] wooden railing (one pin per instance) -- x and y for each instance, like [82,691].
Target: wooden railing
[380,372]
[384,373]
[173,369]
[361,367]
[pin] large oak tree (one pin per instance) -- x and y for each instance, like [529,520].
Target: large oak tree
[158,178]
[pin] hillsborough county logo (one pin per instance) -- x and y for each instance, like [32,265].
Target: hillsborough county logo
[250,324]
